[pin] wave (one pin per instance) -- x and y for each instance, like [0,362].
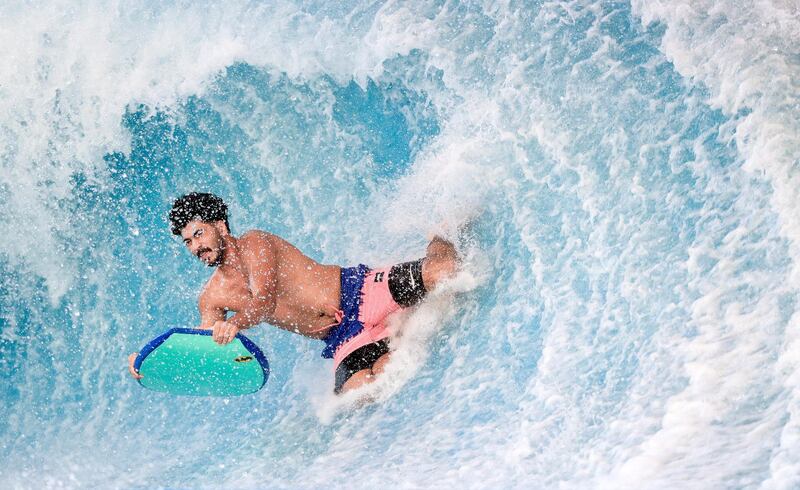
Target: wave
[625,314]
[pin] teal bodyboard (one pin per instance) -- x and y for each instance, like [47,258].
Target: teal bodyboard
[187,361]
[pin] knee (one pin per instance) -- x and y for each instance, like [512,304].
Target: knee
[441,261]
[438,268]
[446,265]
[441,248]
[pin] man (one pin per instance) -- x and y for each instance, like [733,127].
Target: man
[262,278]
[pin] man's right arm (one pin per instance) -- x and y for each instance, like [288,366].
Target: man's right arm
[210,313]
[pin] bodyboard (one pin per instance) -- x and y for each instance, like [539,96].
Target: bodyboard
[187,361]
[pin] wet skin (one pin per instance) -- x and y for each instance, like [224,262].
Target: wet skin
[261,277]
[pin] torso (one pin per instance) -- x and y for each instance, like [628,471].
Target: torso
[306,292]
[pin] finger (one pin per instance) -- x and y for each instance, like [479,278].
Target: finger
[216,333]
[136,375]
[228,334]
[131,369]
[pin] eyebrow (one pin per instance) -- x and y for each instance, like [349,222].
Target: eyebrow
[196,232]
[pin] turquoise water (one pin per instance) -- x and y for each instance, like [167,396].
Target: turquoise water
[626,315]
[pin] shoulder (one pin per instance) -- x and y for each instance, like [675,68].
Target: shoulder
[254,238]
[257,244]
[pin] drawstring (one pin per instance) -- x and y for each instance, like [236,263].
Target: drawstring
[337,314]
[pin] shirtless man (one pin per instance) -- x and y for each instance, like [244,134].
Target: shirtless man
[262,278]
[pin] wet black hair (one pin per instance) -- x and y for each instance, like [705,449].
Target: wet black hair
[200,206]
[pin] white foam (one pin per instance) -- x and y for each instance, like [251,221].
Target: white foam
[746,54]
[75,67]
[585,285]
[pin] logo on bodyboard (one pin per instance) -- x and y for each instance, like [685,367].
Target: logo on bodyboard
[244,359]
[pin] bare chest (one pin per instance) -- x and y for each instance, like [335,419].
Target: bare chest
[231,290]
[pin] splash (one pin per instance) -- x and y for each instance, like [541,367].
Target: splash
[625,316]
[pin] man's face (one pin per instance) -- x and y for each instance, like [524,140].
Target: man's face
[205,242]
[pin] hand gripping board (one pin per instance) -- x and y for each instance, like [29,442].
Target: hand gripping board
[187,361]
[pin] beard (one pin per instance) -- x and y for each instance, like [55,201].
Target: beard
[217,260]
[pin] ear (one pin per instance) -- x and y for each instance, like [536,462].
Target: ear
[221,228]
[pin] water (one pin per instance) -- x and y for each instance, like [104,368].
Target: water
[627,313]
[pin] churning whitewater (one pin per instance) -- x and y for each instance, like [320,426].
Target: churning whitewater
[621,179]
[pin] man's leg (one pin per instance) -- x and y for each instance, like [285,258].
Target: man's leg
[357,380]
[410,281]
[365,376]
[440,262]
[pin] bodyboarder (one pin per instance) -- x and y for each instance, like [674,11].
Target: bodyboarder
[262,278]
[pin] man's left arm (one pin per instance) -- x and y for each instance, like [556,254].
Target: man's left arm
[260,264]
